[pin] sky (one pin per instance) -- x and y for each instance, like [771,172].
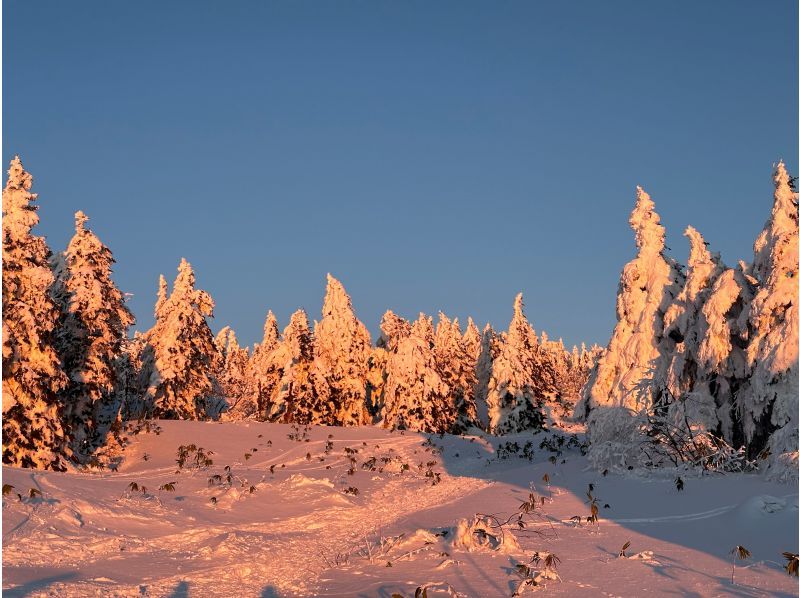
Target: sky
[431,155]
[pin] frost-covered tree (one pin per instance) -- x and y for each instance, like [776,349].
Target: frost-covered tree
[33,434]
[393,330]
[232,370]
[181,379]
[769,402]
[472,341]
[342,349]
[296,399]
[93,328]
[684,385]
[513,402]
[414,394]
[262,375]
[488,352]
[456,368]
[649,283]
[722,352]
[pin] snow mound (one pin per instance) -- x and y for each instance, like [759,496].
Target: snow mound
[764,506]
[298,480]
[477,534]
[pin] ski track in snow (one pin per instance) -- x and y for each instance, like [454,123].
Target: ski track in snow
[89,536]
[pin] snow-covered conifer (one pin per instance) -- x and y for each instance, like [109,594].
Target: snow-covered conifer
[648,285]
[456,369]
[33,435]
[296,399]
[393,330]
[232,370]
[342,350]
[489,350]
[414,393]
[183,352]
[93,328]
[769,402]
[262,375]
[513,402]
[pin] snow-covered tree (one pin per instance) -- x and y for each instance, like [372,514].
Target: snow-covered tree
[232,370]
[262,375]
[649,283]
[342,349]
[414,394]
[769,402]
[722,352]
[488,352]
[181,379]
[33,434]
[513,402]
[93,327]
[456,368]
[296,399]
[393,330]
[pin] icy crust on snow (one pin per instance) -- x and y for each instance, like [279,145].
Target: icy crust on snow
[710,355]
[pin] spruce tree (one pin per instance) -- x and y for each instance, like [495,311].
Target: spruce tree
[342,350]
[33,434]
[414,394]
[624,374]
[456,368]
[181,379]
[93,328]
[296,399]
[232,370]
[513,401]
[769,403]
[262,375]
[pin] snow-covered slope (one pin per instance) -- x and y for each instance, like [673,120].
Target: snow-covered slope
[368,512]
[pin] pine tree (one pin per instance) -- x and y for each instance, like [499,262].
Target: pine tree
[94,325]
[342,349]
[514,404]
[414,394]
[183,352]
[456,368]
[393,330]
[296,399]
[489,350]
[33,434]
[722,351]
[769,403]
[649,283]
[232,369]
[262,375]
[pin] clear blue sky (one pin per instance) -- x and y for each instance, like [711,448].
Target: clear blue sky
[431,155]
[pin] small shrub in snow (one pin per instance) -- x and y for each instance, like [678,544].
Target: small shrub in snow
[791,563]
[738,552]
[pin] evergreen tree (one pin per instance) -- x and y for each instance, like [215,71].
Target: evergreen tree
[33,434]
[262,375]
[769,403]
[649,283]
[414,394]
[489,350]
[297,399]
[232,369]
[456,369]
[183,351]
[685,385]
[513,402]
[342,350]
[93,327]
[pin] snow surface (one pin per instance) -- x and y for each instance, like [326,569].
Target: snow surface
[299,533]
